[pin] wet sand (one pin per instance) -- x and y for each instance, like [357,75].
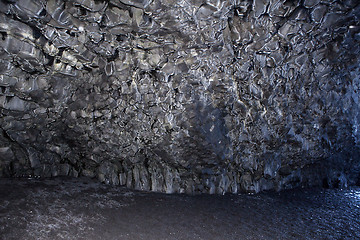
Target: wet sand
[84,209]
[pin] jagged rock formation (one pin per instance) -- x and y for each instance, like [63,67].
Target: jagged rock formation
[181,96]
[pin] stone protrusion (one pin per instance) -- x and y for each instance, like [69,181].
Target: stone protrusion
[181,96]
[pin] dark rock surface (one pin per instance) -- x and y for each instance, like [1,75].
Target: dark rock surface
[181,96]
[81,209]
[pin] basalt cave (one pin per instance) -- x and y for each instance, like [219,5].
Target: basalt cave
[189,97]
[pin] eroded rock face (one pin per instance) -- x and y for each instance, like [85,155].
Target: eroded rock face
[181,96]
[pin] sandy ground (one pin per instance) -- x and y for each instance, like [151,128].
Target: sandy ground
[65,208]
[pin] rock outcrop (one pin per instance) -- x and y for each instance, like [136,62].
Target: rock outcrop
[182,96]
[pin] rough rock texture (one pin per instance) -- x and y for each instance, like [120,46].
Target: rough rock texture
[182,96]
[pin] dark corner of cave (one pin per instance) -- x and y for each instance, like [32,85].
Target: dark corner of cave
[166,119]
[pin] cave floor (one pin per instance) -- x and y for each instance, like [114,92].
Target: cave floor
[81,208]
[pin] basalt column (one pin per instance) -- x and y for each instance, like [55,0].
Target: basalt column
[181,96]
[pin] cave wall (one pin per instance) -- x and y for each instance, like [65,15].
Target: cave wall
[181,96]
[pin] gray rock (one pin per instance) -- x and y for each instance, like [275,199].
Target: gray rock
[64,169]
[181,96]
[311,3]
